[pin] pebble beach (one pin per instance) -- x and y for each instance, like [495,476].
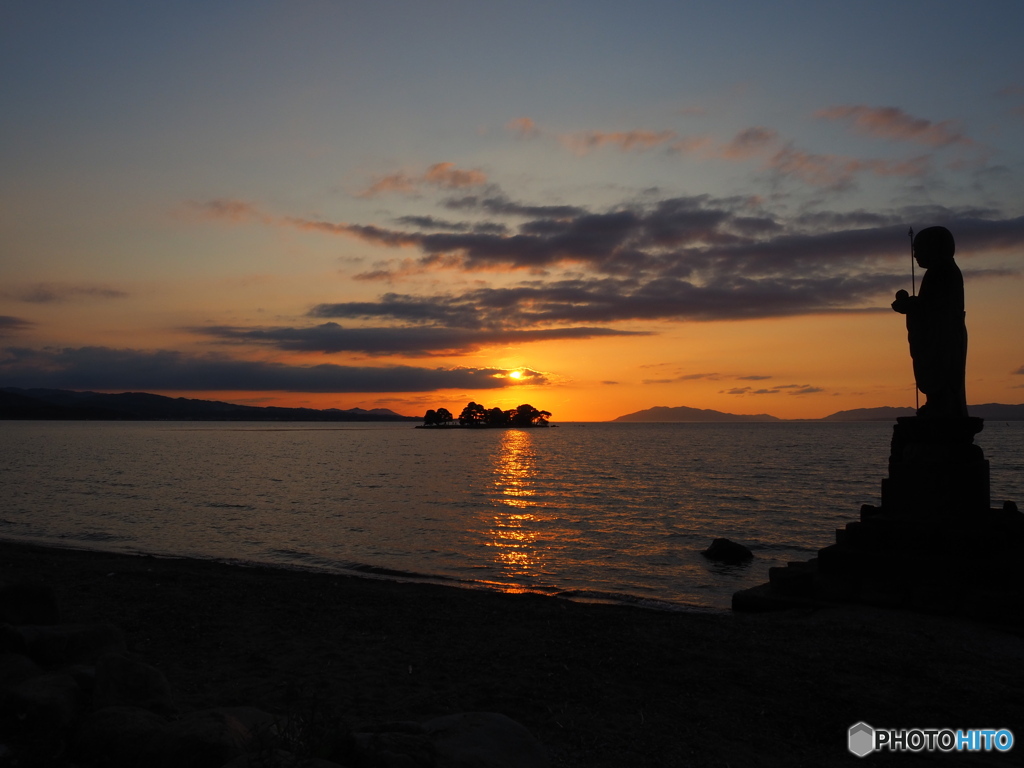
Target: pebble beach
[597,685]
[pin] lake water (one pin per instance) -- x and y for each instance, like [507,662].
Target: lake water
[595,511]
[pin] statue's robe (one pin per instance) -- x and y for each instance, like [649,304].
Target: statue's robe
[938,340]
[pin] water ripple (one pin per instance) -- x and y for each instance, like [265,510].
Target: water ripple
[614,512]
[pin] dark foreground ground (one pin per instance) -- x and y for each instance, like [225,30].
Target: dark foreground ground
[598,685]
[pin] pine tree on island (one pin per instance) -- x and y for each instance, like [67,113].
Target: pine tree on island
[442,417]
[475,415]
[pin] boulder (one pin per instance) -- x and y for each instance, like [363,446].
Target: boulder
[121,681]
[393,745]
[212,737]
[726,551]
[483,740]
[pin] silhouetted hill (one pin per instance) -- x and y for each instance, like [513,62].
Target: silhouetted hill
[682,413]
[883,413]
[141,406]
[18,406]
[685,413]
[997,411]
[987,411]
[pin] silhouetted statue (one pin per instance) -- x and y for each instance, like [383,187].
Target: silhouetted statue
[935,326]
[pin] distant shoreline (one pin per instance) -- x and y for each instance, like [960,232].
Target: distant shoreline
[69,405]
[685,414]
[18,404]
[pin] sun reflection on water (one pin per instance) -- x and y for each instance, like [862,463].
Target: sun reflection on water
[513,534]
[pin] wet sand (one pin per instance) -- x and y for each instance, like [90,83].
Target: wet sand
[598,685]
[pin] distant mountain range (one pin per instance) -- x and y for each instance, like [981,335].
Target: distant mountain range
[988,411]
[685,413]
[141,406]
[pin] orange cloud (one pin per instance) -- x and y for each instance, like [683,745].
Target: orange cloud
[838,171]
[523,127]
[235,211]
[398,182]
[583,142]
[443,175]
[694,144]
[815,169]
[893,123]
[748,143]
[638,140]
[390,271]
[447,176]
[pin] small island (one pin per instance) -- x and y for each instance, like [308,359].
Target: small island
[476,416]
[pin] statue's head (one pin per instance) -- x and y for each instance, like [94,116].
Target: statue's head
[933,245]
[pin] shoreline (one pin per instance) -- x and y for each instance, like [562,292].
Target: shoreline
[376,573]
[597,684]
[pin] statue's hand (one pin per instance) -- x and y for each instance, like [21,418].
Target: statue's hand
[902,303]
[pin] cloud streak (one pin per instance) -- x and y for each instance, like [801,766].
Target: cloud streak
[56,293]
[781,157]
[789,389]
[10,325]
[104,368]
[610,300]
[684,377]
[626,141]
[405,341]
[439,175]
[896,125]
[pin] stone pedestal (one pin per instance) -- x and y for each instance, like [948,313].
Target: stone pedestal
[934,544]
[935,470]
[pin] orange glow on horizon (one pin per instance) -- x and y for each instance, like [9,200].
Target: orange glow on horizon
[791,368]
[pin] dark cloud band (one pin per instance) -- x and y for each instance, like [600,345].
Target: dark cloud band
[416,341]
[103,368]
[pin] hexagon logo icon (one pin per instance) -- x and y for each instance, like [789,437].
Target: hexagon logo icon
[861,739]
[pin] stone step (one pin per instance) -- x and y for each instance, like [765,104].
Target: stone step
[796,578]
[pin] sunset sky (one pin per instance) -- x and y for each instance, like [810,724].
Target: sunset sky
[400,204]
